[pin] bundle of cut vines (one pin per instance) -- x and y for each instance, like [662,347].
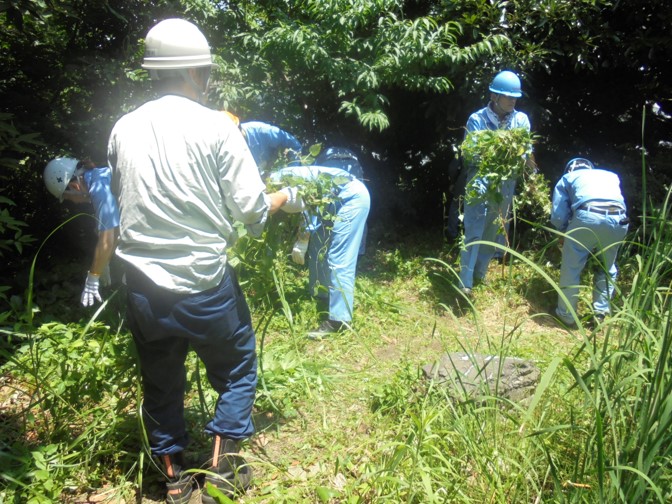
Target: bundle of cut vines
[499,155]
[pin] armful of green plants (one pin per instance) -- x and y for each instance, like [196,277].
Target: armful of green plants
[499,155]
[317,192]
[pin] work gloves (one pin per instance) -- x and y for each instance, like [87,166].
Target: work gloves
[294,202]
[90,293]
[480,186]
[300,248]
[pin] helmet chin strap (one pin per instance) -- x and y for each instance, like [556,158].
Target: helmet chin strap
[497,107]
[79,192]
[199,90]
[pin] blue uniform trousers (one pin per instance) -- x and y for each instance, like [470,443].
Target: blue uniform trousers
[590,232]
[483,220]
[216,323]
[333,250]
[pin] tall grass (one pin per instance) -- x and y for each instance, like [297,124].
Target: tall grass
[598,429]
[627,378]
[73,398]
[628,382]
[74,423]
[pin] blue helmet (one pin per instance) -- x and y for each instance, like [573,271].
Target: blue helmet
[578,164]
[506,83]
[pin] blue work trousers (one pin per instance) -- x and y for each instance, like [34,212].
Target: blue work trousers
[333,250]
[589,232]
[483,220]
[216,323]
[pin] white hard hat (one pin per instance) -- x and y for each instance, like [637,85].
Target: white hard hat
[58,173]
[175,43]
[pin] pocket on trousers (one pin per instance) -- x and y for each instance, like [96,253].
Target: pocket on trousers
[587,218]
[143,317]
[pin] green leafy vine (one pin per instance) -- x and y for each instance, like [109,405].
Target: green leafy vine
[500,155]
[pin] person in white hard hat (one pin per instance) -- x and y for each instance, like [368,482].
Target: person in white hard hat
[83,182]
[183,174]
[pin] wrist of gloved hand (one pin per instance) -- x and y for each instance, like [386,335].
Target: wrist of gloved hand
[90,293]
[294,203]
[105,278]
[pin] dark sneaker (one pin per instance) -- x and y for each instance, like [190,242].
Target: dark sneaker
[567,324]
[467,292]
[178,484]
[565,320]
[228,473]
[327,328]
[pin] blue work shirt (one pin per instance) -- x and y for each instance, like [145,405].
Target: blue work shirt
[486,119]
[574,189]
[98,181]
[266,141]
[340,157]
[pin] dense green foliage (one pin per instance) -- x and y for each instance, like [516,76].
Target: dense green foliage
[340,71]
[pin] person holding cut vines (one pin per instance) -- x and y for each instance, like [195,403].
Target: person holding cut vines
[83,182]
[183,173]
[589,207]
[331,237]
[485,217]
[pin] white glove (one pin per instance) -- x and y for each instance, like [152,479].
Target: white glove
[294,203]
[299,250]
[90,293]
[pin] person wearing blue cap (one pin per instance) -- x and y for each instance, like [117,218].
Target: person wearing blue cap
[483,218]
[589,207]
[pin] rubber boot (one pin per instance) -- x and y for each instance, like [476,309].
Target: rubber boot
[178,484]
[229,472]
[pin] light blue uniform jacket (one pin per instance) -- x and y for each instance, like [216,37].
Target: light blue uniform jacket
[266,141]
[105,206]
[579,202]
